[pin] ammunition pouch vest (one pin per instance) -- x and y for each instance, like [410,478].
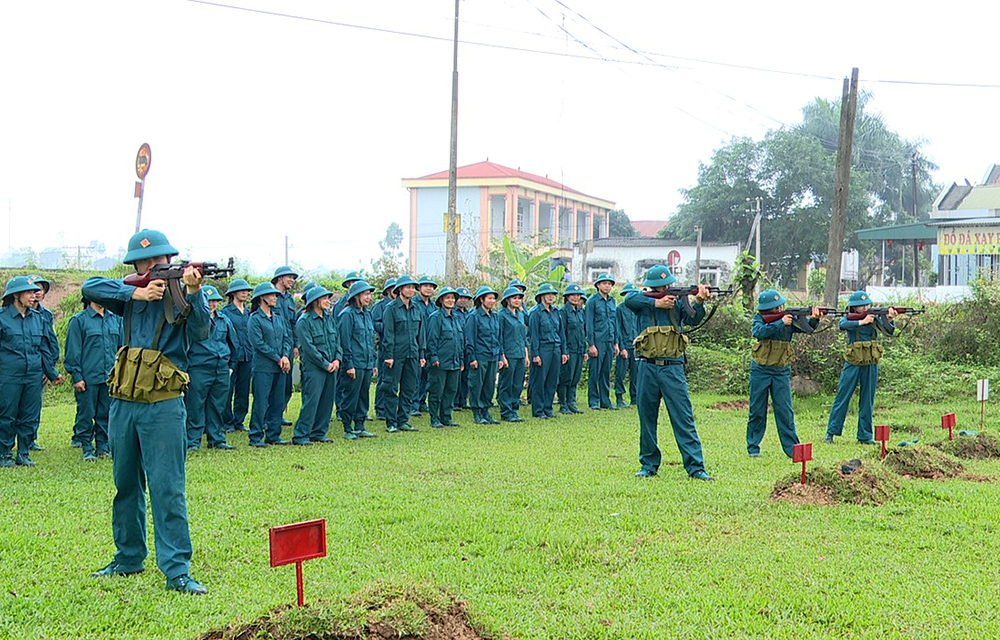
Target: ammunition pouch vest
[864,352]
[772,353]
[657,341]
[145,375]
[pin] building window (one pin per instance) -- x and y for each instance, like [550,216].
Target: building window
[525,219]
[598,231]
[498,212]
[565,227]
[581,226]
[545,234]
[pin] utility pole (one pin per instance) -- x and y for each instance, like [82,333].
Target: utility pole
[451,219]
[286,250]
[697,256]
[913,190]
[838,217]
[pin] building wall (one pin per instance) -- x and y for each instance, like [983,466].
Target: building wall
[428,228]
[629,263]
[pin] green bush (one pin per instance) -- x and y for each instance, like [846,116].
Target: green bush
[718,371]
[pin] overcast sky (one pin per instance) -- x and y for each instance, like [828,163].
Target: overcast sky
[264,126]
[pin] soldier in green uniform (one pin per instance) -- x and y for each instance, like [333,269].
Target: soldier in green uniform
[283,280]
[574,340]
[50,341]
[349,279]
[210,364]
[238,313]
[378,312]
[625,363]
[445,345]
[547,352]
[513,351]
[770,373]
[482,352]
[860,368]
[147,421]
[425,287]
[403,356]
[271,365]
[318,337]
[24,361]
[601,341]
[462,311]
[93,337]
[357,340]
[660,349]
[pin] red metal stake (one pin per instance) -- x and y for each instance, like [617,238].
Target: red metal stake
[948,422]
[802,453]
[295,543]
[882,435]
[803,472]
[298,584]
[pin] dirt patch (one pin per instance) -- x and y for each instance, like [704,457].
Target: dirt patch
[922,462]
[979,447]
[731,405]
[380,612]
[868,484]
[905,428]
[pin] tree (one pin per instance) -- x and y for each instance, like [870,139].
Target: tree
[619,225]
[391,263]
[530,264]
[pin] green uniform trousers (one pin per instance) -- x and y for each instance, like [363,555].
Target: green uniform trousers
[482,383]
[380,389]
[462,398]
[776,382]
[546,380]
[509,385]
[318,391]
[420,394]
[599,384]
[401,381]
[20,410]
[268,399]
[148,444]
[630,367]
[442,387]
[667,382]
[357,394]
[91,426]
[239,395]
[852,376]
[569,379]
[205,403]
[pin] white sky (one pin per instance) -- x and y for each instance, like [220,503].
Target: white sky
[263,126]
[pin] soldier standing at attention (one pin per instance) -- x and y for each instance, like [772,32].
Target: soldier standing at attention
[378,312]
[547,352]
[514,351]
[239,383]
[482,352]
[660,348]
[770,373]
[425,287]
[92,340]
[574,340]
[445,345]
[50,342]
[625,362]
[271,365]
[403,356]
[860,368]
[283,280]
[341,303]
[210,364]
[462,311]
[601,340]
[147,422]
[357,341]
[319,346]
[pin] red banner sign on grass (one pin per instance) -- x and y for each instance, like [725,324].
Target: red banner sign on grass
[297,543]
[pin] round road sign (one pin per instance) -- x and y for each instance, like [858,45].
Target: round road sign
[142,161]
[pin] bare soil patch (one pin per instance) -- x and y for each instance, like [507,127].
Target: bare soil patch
[979,447]
[731,405]
[866,484]
[923,462]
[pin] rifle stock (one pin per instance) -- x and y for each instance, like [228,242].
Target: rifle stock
[171,273]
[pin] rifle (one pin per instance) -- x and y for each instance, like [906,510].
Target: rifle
[800,316]
[171,273]
[882,315]
[682,293]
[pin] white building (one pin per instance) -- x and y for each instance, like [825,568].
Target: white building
[627,259]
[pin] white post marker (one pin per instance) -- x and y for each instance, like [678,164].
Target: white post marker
[982,394]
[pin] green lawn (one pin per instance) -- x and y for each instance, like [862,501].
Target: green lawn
[540,526]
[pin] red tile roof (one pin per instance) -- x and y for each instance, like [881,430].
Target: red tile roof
[648,228]
[484,170]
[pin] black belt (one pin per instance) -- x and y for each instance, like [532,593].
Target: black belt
[660,362]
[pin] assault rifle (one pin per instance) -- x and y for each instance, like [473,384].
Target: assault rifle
[800,316]
[171,273]
[882,315]
[682,293]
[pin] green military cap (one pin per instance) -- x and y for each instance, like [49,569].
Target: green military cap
[442,293]
[283,271]
[658,276]
[211,292]
[484,291]
[263,289]
[858,299]
[40,281]
[510,292]
[390,285]
[19,284]
[147,244]
[238,285]
[518,284]
[544,289]
[315,293]
[604,277]
[573,289]
[352,276]
[769,299]
[426,280]
[404,280]
[629,288]
[359,286]
[463,292]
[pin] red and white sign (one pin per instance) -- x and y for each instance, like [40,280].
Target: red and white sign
[673,258]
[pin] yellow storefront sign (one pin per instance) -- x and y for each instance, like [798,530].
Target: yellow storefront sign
[968,240]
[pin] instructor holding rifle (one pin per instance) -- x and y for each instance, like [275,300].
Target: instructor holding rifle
[147,416]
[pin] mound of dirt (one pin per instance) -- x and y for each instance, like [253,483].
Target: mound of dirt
[731,405]
[979,447]
[380,612]
[922,462]
[905,428]
[870,484]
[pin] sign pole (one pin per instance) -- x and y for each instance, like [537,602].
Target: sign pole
[143,160]
[948,422]
[298,584]
[983,393]
[802,453]
[882,435]
[296,543]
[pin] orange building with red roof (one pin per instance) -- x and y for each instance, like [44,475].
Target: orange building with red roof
[493,201]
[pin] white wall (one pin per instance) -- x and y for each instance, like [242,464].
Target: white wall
[629,263]
[925,294]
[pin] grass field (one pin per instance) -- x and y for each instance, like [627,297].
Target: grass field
[540,526]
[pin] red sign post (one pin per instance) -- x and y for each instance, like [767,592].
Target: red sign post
[948,422]
[882,435]
[297,543]
[802,453]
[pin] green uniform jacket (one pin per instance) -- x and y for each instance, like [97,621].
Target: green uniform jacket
[220,345]
[404,331]
[600,320]
[647,315]
[545,329]
[357,338]
[271,340]
[92,341]
[513,334]
[572,326]
[244,349]
[482,336]
[319,341]
[445,340]
[22,353]
[856,331]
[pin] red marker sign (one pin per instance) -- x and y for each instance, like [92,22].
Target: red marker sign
[297,543]
[802,453]
[948,422]
[882,435]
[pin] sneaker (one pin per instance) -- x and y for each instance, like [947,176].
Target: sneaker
[366,434]
[286,423]
[22,460]
[114,569]
[6,462]
[88,456]
[222,447]
[391,430]
[35,447]
[186,584]
[103,453]
[350,435]
[76,445]
[755,454]
[407,427]
[701,475]
[258,444]
[452,423]
[437,425]
[301,443]
[278,441]
[645,473]
[828,439]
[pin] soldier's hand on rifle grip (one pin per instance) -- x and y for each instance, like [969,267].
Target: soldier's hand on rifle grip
[151,292]
[787,319]
[666,302]
[192,278]
[892,313]
[704,293]
[868,319]
[816,313]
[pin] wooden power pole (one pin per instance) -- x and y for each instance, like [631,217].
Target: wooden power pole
[838,217]
[913,188]
[451,219]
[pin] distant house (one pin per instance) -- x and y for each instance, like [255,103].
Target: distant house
[649,228]
[628,259]
[493,201]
